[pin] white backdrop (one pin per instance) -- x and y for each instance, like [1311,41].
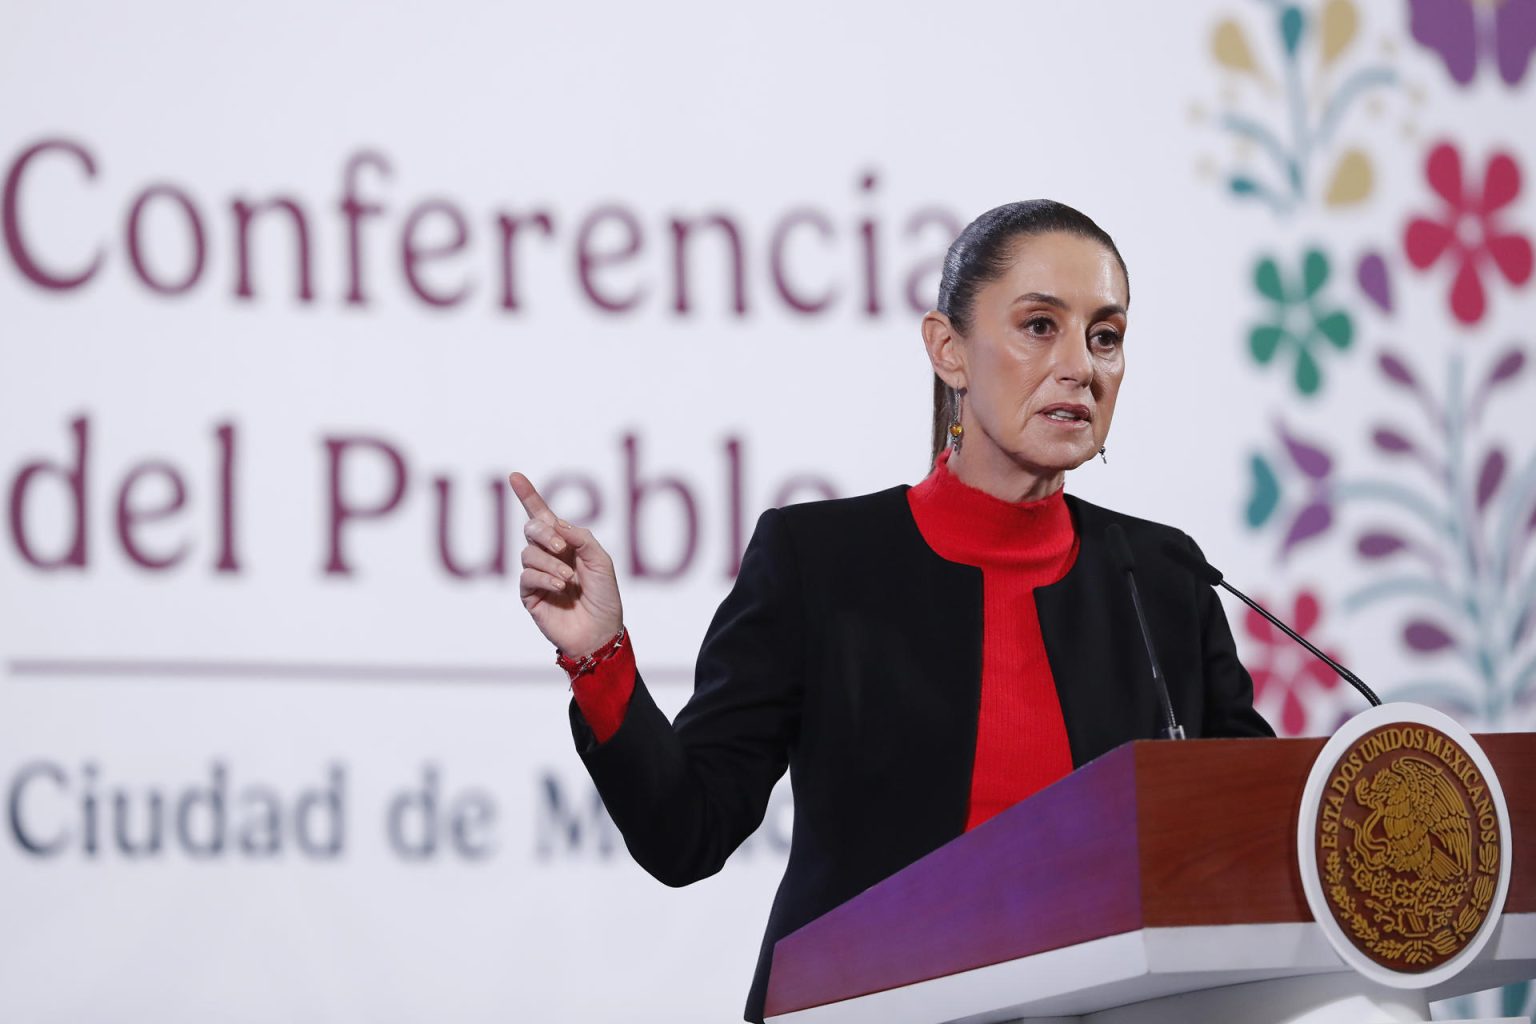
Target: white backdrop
[368,804]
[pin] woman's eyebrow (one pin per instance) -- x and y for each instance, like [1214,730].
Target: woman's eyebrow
[1048,299]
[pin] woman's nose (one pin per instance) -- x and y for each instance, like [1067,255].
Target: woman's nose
[1072,359]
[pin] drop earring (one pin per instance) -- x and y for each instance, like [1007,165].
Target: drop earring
[1101,455]
[956,430]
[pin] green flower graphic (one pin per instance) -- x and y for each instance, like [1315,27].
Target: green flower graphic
[1299,321]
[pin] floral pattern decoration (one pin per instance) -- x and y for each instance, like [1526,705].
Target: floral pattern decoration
[1449,541]
[1299,319]
[1284,674]
[1469,232]
[1317,89]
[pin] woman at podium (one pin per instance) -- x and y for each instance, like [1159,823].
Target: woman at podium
[923,657]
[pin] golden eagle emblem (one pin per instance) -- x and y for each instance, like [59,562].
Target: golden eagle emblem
[1418,822]
[1408,873]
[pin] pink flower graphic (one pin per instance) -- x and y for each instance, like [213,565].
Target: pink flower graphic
[1467,232]
[1282,671]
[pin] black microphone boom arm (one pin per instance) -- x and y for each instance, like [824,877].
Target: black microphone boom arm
[1208,573]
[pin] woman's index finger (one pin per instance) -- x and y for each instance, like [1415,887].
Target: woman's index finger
[533,503]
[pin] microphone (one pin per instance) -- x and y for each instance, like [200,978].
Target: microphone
[1122,559]
[1209,574]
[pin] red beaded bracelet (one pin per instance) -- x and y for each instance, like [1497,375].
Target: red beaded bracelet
[575,667]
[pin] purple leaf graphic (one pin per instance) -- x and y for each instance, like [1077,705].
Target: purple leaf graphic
[1425,636]
[1311,460]
[1523,627]
[1508,366]
[1379,545]
[1312,520]
[1372,275]
[1489,477]
[1389,440]
[1514,39]
[1397,371]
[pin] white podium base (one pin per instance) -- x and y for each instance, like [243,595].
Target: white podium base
[1330,999]
[1321,999]
[1233,974]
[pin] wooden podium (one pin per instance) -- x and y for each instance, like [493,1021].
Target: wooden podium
[1157,883]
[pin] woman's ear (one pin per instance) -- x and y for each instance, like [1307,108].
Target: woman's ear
[945,351]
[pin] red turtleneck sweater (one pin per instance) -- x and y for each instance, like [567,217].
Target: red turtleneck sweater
[1021,741]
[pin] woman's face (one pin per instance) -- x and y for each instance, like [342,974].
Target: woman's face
[1042,360]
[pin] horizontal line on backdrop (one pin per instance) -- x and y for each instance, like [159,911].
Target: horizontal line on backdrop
[296,671]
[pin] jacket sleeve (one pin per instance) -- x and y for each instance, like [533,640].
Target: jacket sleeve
[1229,707]
[685,794]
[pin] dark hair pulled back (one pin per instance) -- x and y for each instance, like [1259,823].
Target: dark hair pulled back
[983,253]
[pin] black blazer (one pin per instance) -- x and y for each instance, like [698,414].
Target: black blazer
[851,652]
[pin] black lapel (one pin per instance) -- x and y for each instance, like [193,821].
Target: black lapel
[948,621]
[1098,660]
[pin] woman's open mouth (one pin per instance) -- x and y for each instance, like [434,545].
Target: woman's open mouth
[1068,415]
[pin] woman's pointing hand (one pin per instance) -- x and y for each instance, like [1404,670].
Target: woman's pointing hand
[568,583]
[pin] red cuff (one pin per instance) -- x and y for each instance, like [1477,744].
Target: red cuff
[603,694]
